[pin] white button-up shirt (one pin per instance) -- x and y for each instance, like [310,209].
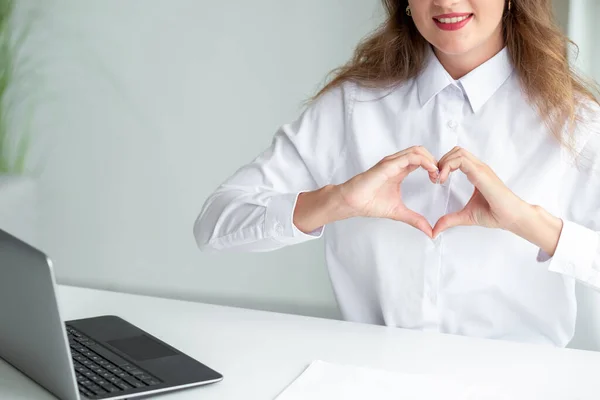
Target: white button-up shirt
[471,280]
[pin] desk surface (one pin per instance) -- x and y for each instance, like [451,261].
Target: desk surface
[260,353]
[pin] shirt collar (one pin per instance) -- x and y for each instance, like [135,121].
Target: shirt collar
[479,85]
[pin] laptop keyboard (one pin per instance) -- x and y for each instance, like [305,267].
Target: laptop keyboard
[101,373]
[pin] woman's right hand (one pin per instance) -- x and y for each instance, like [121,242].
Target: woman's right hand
[376,193]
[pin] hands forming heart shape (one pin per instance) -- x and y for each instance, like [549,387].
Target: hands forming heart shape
[377,193]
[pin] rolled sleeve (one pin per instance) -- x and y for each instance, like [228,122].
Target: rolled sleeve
[575,254]
[279,221]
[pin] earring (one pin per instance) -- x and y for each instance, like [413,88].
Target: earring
[509,4]
[408,11]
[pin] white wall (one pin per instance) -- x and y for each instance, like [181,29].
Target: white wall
[579,19]
[583,28]
[561,12]
[149,105]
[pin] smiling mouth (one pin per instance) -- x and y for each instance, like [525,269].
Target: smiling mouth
[452,20]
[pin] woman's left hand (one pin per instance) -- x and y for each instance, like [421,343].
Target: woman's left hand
[493,204]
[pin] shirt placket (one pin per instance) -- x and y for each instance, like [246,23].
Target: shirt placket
[451,116]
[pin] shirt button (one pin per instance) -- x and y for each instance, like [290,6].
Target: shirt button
[452,124]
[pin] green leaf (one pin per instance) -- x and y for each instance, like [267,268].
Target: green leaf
[15,72]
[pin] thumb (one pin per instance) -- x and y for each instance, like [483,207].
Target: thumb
[416,220]
[451,220]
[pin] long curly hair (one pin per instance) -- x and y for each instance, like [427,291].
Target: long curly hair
[395,52]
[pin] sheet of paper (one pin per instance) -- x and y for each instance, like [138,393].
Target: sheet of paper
[327,381]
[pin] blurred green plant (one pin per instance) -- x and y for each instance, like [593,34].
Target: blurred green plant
[13,147]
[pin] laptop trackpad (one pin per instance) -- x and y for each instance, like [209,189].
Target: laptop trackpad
[141,348]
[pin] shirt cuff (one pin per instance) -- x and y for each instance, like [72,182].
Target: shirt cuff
[279,220]
[575,254]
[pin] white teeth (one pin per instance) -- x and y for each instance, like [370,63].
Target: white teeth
[452,20]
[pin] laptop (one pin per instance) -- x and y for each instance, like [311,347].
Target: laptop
[103,357]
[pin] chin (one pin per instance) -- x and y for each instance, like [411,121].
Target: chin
[454,48]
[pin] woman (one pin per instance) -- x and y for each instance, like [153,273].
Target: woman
[453,166]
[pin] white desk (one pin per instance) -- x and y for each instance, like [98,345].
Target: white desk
[260,353]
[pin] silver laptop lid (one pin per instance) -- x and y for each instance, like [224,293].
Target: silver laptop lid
[32,333]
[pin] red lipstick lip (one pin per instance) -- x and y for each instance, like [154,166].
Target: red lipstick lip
[453,26]
[452,15]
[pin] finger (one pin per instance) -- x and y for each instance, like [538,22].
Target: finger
[407,163]
[418,160]
[449,154]
[458,151]
[444,161]
[433,175]
[416,220]
[416,149]
[451,220]
[453,163]
[445,169]
[411,168]
[398,154]
[423,151]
